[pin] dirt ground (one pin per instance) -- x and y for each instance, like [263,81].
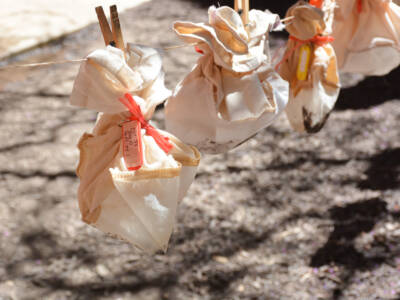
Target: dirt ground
[284,216]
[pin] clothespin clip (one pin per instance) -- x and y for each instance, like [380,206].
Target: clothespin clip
[238,6]
[114,37]
[105,27]
[116,28]
[242,8]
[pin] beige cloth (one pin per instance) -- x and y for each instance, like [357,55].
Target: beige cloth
[137,206]
[232,92]
[311,99]
[367,42]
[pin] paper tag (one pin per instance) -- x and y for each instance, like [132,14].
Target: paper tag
[304,59]
[132,145]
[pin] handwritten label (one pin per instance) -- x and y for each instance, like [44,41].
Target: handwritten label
[304,59]
[132,145]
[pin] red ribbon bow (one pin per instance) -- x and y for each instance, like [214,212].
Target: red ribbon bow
[318,40]
[136,115]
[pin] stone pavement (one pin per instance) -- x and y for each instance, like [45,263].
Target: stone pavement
[24,24]
[284,216]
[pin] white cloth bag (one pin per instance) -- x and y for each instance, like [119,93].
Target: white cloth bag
[311,98]
[137,206]
[367,37]
[232,92]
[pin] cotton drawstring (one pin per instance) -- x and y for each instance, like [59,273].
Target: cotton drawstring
[136,115]
[318,40]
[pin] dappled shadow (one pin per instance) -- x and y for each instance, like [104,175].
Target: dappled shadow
[383,172]
[371,91]
[350,222]
[47,175]
[39,242]
[135,284]
[42,246]
[217,281]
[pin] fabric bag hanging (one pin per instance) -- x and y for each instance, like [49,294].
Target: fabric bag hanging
[367,36]
[232,92]
[132,176]
[309,65]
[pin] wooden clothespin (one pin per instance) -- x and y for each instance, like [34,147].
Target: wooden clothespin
[116,28]
[111,37]
[245,13]
[104,26]
[238,6]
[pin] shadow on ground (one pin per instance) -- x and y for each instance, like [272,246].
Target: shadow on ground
[350,222]
[383,172]
[371,91]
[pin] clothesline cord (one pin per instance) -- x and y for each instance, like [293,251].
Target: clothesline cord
[49,63]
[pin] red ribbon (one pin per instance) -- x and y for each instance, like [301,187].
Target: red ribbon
[359,6]
[319,40]
[136,115]
[198,50]
[316,3]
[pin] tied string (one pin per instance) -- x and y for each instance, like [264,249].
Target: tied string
[49,63]
[319,40]
[136,115]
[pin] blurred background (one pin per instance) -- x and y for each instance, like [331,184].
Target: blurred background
[284,216]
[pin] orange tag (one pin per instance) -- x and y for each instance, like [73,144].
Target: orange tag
[132,145]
